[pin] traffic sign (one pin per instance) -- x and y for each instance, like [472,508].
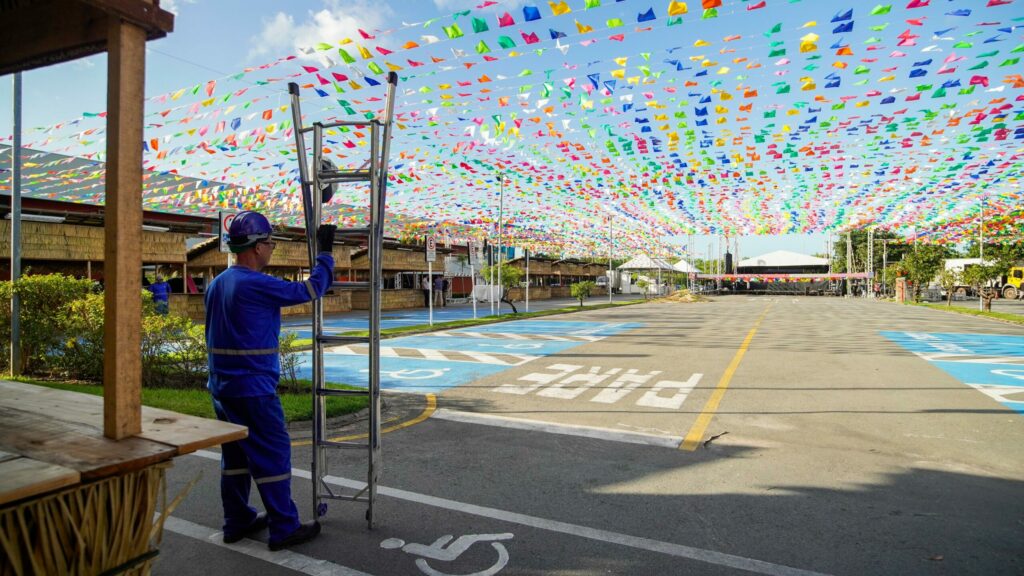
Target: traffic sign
[431,249]
[474,254]
[225,223]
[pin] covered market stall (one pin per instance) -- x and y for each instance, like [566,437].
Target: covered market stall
[81,477]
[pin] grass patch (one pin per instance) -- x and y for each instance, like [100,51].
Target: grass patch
[298,406]
[1003,316]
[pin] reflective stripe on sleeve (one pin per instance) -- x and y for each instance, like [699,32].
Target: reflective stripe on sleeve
[234,472]
[309,287]
[273,478]
[237,352]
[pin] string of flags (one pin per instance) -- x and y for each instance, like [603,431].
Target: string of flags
[664,118]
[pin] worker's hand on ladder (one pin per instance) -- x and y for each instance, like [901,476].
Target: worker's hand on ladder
[325,237]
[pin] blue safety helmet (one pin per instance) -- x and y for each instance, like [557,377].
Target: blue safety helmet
[246,230]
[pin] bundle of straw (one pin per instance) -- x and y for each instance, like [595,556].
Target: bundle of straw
[110,526]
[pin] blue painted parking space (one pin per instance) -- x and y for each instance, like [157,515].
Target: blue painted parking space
[433,375]
[990,363]
[414,317]
[557,328]
[485,345]
[402,374]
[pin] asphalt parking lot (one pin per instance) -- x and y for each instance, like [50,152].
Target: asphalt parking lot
[767,435]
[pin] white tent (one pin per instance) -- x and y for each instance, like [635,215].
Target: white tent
[684,266]
[645,262]
[782,259]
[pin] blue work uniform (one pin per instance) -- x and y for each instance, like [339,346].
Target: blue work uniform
[243,321]
[161,295]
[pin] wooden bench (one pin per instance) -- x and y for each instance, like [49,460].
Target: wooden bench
[51,439]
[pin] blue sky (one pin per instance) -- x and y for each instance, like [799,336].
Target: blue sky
[217,39]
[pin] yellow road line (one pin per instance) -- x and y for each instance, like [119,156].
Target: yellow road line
[427,413]
[696,433]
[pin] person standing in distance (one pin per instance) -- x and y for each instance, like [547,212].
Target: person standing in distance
[243,321]
[161,291]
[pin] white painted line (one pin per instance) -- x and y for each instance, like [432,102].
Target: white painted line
[485,358]
[431,354]
[564,429]
[677,550]
[286,558]
[970,359]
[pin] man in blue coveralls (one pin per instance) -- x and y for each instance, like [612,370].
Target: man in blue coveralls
[243,321]
[161,291]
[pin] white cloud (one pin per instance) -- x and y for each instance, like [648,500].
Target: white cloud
[172,5]
[449,6]
[281,34]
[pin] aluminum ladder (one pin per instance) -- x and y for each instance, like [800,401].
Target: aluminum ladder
[321,175]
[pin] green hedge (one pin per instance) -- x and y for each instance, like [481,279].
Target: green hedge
[62,335]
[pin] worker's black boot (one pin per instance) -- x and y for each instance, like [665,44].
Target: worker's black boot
[304,533]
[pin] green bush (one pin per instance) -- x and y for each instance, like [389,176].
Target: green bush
[62,334]
[45,303]
[81,355]
[581,290]
[291,357]
[5,326]
[173,350]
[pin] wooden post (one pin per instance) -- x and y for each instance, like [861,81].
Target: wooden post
[122,332]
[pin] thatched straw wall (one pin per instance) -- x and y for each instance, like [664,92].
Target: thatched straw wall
[399,260]
[286,254]
[76,243]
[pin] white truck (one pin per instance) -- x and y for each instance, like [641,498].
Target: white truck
[958,265]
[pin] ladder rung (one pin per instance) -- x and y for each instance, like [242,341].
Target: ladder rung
[350,123]
[344,497]
[349,445]
[342,340]
[332,176]
[341,392]
[350,285]
[353,232]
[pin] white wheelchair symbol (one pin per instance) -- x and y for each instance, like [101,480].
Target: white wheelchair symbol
[422,374]
[521,346]
[445,550]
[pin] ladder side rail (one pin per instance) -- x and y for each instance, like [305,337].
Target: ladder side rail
[375,248]
[380,147]
[307,212]
[304,180]
[319,468]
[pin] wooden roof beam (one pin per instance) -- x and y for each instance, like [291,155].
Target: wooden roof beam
[36,33]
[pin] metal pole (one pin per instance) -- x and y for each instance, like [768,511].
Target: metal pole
[16,230]
[527,280]
[869,266]
[981,232]
[430,306]
[849,262]
[981,247]
[472,288]
[501,249]
[490,281]
[609,259]
[885,266]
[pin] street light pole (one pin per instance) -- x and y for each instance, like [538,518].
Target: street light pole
[15,357]
[885,266]
[981,231]
[501,249]
[610,258]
